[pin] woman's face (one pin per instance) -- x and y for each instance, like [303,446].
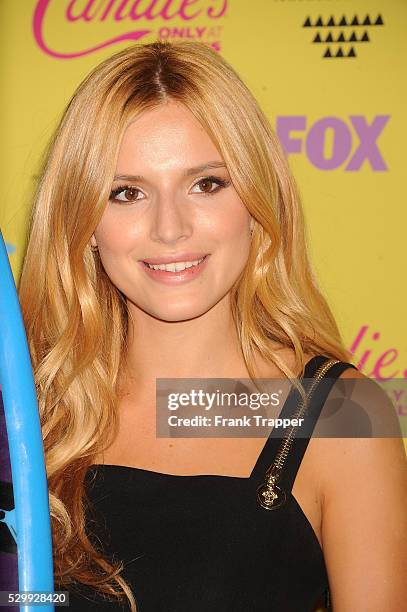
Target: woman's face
[172,201]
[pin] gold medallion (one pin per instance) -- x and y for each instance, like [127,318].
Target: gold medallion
[270,496]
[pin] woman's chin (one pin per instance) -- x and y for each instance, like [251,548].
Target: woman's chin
[177,313]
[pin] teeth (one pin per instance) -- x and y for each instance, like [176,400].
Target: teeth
[176,266]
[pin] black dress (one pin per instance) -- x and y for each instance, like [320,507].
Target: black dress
[202,543]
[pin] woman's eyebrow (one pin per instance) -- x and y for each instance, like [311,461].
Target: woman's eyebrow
[187,172]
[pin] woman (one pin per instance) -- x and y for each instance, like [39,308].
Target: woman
[163,155]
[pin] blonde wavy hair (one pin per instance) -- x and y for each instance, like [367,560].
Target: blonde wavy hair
[70,306]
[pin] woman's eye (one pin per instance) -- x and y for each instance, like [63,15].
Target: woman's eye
[207,183]
[128,193]
[125,194]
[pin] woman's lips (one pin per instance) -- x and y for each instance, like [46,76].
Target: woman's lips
[175,278]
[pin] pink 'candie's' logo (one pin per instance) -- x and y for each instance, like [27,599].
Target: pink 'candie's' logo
[124,10]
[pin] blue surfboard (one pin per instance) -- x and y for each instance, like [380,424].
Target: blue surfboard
[24,509]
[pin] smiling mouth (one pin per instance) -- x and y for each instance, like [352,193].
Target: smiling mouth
[176,266]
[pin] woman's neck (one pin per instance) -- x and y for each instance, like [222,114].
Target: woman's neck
[204,347]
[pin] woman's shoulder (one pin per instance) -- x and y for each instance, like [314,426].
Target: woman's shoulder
[363,486]
[290,360]
[369,462]
[353,373]
[361,397]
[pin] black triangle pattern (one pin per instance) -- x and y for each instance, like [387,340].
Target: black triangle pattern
[340,53]
[330,22]
[343,22]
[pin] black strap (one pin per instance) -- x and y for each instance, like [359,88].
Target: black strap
[291,404]
[316,403]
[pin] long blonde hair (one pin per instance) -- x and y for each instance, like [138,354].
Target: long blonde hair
[70,306]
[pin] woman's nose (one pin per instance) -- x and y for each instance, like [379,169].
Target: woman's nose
[170,221]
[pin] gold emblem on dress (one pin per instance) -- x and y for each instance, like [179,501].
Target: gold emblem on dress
[269,494]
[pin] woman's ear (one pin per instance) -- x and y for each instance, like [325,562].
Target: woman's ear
[251,224]
[93,243]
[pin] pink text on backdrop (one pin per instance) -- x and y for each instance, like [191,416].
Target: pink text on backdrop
[363,134]
[363,340]
[123,10]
